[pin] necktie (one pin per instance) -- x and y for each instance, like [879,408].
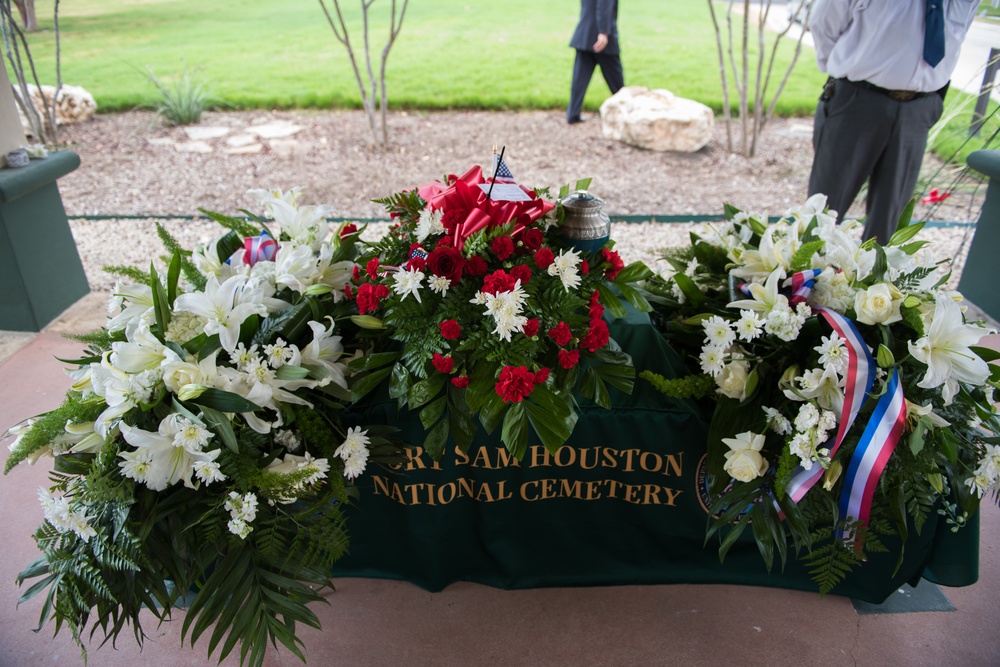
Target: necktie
[934,32]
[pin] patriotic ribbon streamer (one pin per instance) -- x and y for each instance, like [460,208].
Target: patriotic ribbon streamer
[416,252]
[259,248]
[873,451]
[802,284]
[860,377]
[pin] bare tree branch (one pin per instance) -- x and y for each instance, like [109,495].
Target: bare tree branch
[726,112]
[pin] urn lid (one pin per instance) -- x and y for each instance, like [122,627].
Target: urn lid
[581,200]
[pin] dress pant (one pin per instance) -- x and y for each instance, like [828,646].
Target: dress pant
[583,70]
[862,134]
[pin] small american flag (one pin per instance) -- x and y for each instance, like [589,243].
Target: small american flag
[501,174]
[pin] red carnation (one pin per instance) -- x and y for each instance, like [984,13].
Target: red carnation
[569,358]
[450,329]
[347,292]
[452,218]
[541,375]
[462,381]
[521,272]
[476,266]
[381,291]
[372,268]
[584,267]
[595,296]
[544,257]
[597,336]
[616,263]
[515,384]
[416,264]
[502,247]
[446,262]
[530,327]
[498,281]
[368,297]
[347,230]
[356,273]
[596,311]
[443,364]
[532,238]
[561,334]
[445,241]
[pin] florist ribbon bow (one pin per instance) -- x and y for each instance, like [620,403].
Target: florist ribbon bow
[259,248]
[464,194]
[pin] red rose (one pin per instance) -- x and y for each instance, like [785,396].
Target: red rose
[530,327]
[584,267]
[452,218]
[515,384]
[561,334]
[476,266]
[372,268]
[502,247]
[443,364]
[462,381]
[521,272]
[544,257]
[450,329]
[447,263]
[498,281]
[532,238]
[368,298]
[347,230]
[597,336]
[569,358]
[541,375]
[616,262]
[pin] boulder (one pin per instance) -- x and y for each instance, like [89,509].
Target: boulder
[73,105]
[656,120]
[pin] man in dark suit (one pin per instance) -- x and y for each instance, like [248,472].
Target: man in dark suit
[596,44]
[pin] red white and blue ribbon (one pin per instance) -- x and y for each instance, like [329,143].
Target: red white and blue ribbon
[261,248]
[872,453]
[802,284]
[860,378]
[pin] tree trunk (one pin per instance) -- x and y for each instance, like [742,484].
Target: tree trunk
[26,8]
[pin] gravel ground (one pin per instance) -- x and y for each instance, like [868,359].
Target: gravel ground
[134,166]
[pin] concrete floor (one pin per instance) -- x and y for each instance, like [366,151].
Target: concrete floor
[375,622]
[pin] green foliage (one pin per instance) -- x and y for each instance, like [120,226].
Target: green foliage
[191,272]
[136,274]
[182,102]
[50,426]
[689,386]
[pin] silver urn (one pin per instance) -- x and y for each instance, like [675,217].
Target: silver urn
[585,225]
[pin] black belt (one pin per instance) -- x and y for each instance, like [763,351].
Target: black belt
[897,95]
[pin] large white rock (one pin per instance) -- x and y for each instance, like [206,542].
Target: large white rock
[656,120]
[73,105]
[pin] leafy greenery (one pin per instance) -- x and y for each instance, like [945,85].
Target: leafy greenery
[181,101]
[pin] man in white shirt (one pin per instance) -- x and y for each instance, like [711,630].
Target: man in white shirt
[886,89]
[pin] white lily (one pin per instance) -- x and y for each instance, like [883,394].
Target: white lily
[140,301]
[294,267]
[142,352]
[766,296]
[160,460]
[302,224]
[321,354]
[219,306]
[945,350]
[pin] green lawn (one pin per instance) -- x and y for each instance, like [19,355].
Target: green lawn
[450,54]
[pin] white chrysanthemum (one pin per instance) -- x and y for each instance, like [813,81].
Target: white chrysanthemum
[354,452]
[429,223]
[259,372]
[713,360]
[63,517]
[208,470]
[408,282]
[833,353]
[566,265]
[278,354]
[243,357]
[137,464]
[777,422]
[749,326]
[718,332]
[439,284]
[192,437]
[505,309]
[692,267]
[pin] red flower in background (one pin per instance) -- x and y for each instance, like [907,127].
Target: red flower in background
[462,381]
[569,358]
[541,375]
[450,329]
[935,196]
[521,272]
[597,335]
[369,296]
[347,230]
[498,281]
[372,268]
[544,257]
[530,327]
[443,364]
[515,384]
[616,263]
[502,247]
[561,334]
[476,266]
[532,239]
[452,218]
[584,267]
